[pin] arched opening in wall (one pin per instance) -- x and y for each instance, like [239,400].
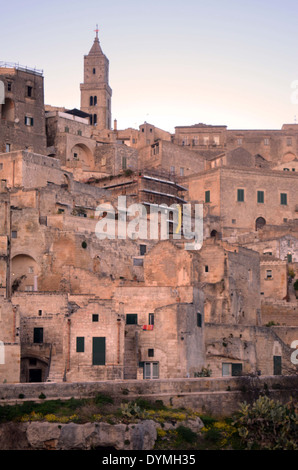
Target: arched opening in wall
[288,157]
[24,274]
[83,156]
[260,223]
[214,234]
[33,369]
[8,110]
[66,182]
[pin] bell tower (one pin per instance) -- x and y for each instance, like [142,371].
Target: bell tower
[96,93]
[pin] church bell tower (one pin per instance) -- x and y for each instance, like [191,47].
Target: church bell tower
[96,93]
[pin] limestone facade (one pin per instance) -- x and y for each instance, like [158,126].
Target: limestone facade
[76,307]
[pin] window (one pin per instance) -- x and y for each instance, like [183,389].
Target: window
[29,288]
[138,262]
[79,132]
[38,335]
[206,269]
[269,274]
[91,101]
[150,352]
[239,141]
[39,313]
[29,91]
[75,156]
[30,270]
[181,171]
[94,71]
[206,140]
[14,234]
[207,196]
[151,370]
[80,344]
[261,197]
[266,141]
[283,199]
[172,170]
[199,320]
[289,141]
[234,221]
[29,121]
[66,129]
[151,318]
[233,370]
[95,317]
[9,86]
[7,148]
[240,195]
[286,169]
[94,119]
[95,100]
[131,319]
[124,163]
[143,249]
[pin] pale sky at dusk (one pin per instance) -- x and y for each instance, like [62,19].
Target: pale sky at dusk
[171,62]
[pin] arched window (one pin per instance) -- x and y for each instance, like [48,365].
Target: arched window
[91,100]
[260,223]
[94,119]
[95,100]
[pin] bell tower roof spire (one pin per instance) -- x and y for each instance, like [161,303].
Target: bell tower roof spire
[96,49]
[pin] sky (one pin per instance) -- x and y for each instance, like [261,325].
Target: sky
[172,63]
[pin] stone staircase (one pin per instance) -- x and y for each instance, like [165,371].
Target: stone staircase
[57,369]
[130,352]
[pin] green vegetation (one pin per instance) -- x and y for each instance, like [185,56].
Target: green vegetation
[265,424]
[268,425]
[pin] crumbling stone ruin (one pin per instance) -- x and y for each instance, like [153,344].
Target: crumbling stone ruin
[76,307]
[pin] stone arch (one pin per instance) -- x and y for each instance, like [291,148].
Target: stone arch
[260,223]
[82,155]
[214,234]
[8,110]
[24,273]
[34,368]
[288,157]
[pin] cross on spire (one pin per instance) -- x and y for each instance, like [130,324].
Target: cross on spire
[96,31]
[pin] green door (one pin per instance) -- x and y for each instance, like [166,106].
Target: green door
[99,351]
[277,365]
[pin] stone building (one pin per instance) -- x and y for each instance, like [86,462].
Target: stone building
[22,115]
[78,307]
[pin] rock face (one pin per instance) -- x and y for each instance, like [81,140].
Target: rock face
[55,436]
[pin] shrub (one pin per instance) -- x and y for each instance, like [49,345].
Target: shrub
[186,434]
[268,425]
[101,399]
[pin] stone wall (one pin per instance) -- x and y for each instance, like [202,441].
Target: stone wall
[216,396]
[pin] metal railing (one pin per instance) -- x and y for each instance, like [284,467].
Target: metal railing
[22,68]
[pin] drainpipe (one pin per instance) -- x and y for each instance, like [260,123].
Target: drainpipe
[118,340]
[68,345]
